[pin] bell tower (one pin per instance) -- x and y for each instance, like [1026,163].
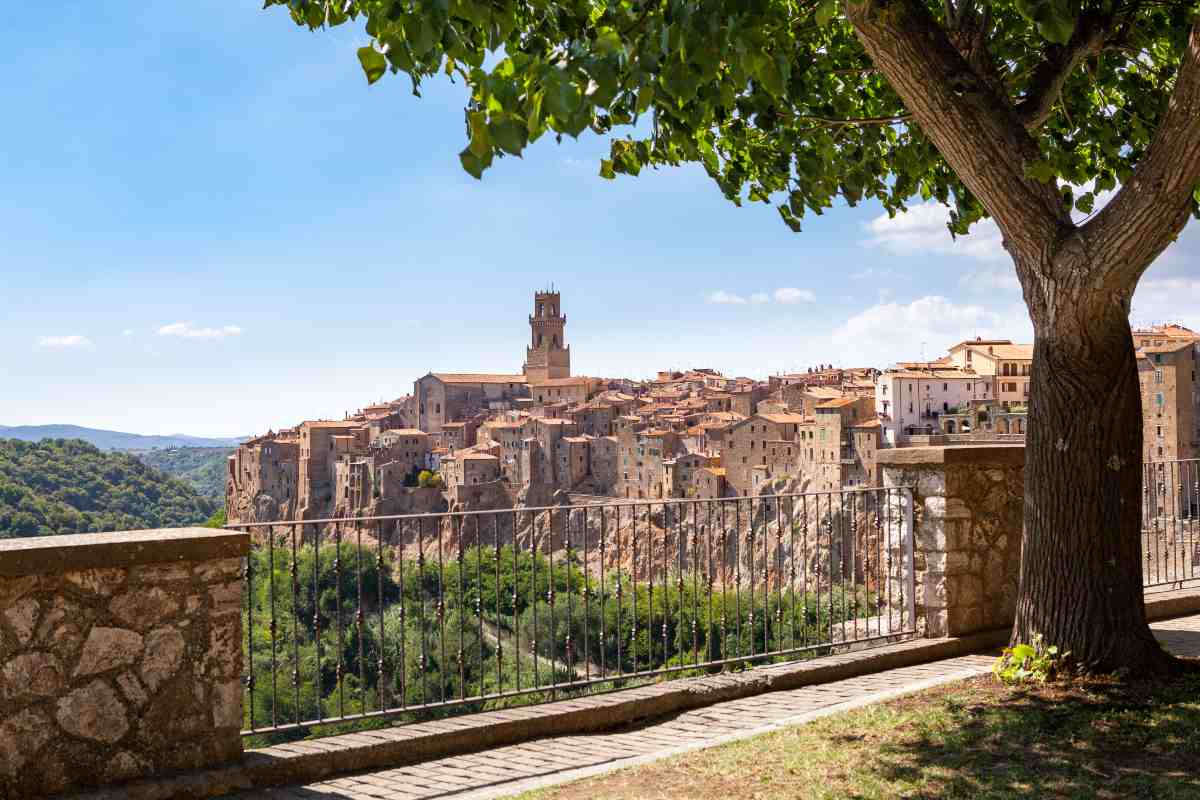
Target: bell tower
[548,355]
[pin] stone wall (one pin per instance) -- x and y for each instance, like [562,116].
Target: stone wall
[968,516]
[120,656]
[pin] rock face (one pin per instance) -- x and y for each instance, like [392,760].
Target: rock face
[112,674]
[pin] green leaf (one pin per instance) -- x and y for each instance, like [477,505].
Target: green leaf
[606,169]
[826,11]
[1084,203]
[1055,19]
[1023,651]
[374,64]
[481,143]
[608,41]
[471,163]
[508,136]
[1041,170]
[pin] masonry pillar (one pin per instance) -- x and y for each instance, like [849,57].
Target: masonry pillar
[968,518]
[120,656]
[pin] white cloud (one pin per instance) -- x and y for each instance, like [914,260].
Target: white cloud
[891,331]
[787,296]
[722,297]
[127,332]
[1172,299]
[922,230]
[188,330]
[74,341]
[873,273]
[790,295]
[991,279]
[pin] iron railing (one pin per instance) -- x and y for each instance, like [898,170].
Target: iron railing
[1171,524]
[371,618]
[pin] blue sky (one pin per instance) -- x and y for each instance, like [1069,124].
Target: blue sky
[212,225]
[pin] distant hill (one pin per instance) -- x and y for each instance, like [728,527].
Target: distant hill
[203,468]
[110,440]
[70,486]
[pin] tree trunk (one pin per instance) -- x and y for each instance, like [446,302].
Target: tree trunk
[1081,561]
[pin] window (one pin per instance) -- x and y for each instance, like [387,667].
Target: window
[945,387]
[1158,376]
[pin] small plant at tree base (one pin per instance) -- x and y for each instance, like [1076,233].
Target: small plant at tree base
[1028,662]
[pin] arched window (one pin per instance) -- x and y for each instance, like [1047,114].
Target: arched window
[555,341]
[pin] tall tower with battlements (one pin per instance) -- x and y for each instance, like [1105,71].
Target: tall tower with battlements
[547,356]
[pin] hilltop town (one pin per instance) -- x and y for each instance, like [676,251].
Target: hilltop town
[471,441]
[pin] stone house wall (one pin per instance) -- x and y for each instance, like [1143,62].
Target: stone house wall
[968,515]
[120,657]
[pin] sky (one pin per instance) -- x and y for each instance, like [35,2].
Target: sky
[211,225]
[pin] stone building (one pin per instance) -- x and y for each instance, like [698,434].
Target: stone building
[469,468]
[1169,376]
[1006,366]
[564,390]
[321,444]
[911,400]
[442,397]
[746,445]
[548,357]
[642,455]
[262,480]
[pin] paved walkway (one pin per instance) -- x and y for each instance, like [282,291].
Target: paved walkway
[510,770]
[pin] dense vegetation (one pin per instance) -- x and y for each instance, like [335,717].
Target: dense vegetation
[69,486]
[203,468]
[507,620]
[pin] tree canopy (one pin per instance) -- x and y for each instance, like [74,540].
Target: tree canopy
[777,99]
[1021,110]
[69,486]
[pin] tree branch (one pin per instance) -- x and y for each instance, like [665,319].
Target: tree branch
[969,120]
[1059,61]
[1152,207]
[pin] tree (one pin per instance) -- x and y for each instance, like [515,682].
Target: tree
[1019,111]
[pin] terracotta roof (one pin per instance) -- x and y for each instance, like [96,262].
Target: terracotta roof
[980,342]
[326,423]
[939,374]
[577,439]
[477,377]
[1170,347]
[839,402]
[870,423]
[403,432]
[472,456]
[719,471]
[783,418]
[454,424]
[576,381]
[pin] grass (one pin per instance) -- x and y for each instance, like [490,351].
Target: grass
[977,739]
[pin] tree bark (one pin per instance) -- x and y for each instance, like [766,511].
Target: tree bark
[1081,560]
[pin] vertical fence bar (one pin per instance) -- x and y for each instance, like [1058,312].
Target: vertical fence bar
[295,575]
[359,619]
[249,569]
[316,601]
[910,559]
[401,662]
[381,569]
[273,629]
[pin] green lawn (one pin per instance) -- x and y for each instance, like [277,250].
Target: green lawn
[975,739]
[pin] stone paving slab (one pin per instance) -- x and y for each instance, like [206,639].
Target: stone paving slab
[509,770]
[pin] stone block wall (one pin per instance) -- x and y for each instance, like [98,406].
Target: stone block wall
[120,657]
[968,517]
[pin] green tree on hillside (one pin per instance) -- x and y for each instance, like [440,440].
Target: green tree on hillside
[69,486]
